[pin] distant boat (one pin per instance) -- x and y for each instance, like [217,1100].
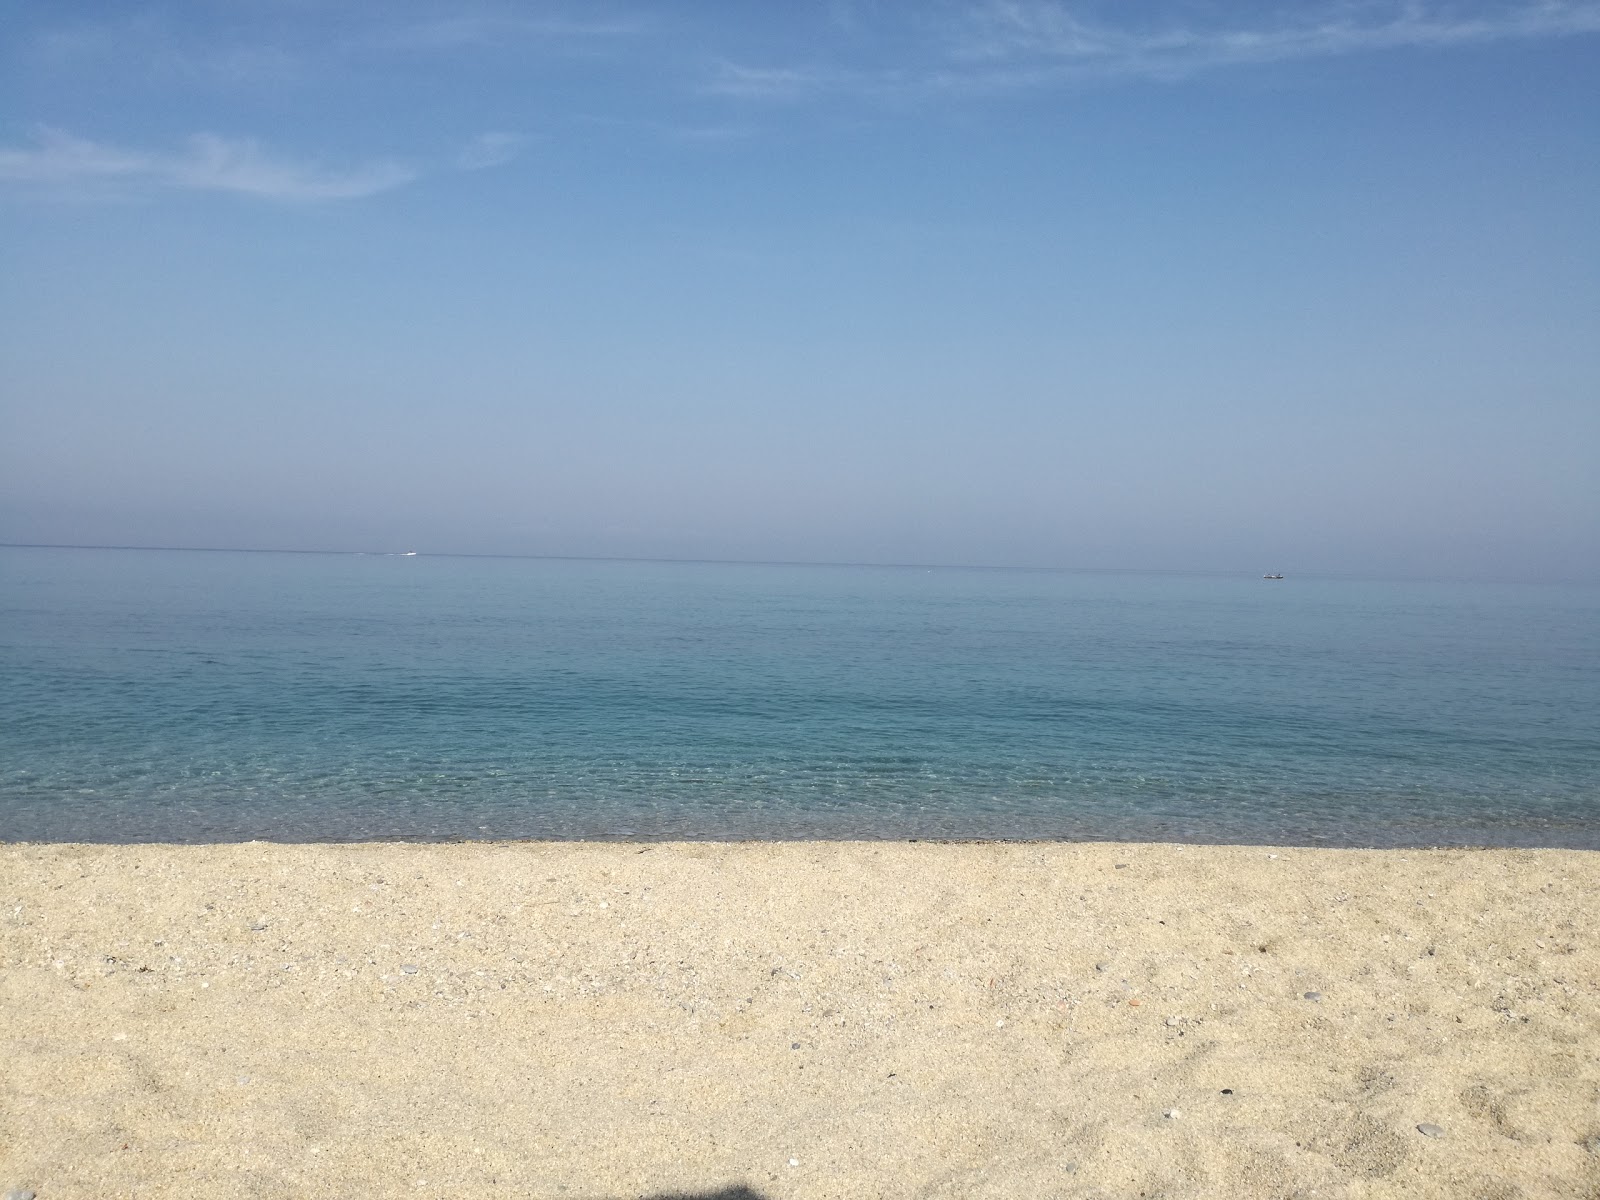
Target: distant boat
[1272,577]
[413,554]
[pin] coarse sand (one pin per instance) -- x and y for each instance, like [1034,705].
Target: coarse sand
[800,1019]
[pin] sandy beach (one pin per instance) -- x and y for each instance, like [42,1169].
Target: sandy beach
[797,1020]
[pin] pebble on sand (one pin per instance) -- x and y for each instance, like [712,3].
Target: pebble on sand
[1313,995]
[20,1194]
[409,969]
[1427,1130]
[1172,1114]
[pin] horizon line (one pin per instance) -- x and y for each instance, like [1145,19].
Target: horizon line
[780,562]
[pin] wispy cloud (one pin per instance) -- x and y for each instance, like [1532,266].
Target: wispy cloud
[678,133]
[977,45]
[705,134]
[141,43]
[205,163]
[1048,33]
[449,33]
[490,150]
[269,46]
[219,164]
[766,83]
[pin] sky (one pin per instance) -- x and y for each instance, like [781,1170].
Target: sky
[1153,284]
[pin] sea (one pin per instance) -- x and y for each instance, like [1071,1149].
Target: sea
[187,696]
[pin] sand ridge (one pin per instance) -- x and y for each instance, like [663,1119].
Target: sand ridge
[803,1019]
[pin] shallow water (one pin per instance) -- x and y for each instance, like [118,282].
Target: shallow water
[185,696]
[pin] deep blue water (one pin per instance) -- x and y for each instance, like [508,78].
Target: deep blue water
[183,696]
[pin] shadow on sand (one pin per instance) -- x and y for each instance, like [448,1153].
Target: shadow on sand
[737,1192]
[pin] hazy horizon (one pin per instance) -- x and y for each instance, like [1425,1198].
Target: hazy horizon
[1065,568]
[1161,286]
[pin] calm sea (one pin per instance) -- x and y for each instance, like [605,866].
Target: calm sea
[185,696]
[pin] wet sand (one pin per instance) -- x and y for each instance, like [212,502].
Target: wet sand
[798,1020]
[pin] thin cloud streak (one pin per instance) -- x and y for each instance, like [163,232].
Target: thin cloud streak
[256,55]
[207,163]
[488,150]
[451,33]
[1013,44]
[1013,30]
[767,83]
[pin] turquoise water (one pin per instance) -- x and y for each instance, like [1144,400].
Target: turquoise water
[154,695]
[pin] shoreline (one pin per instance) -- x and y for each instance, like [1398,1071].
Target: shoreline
[1587,843]
[931,1018]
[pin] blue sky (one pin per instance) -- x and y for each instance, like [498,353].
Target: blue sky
[1186,285]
